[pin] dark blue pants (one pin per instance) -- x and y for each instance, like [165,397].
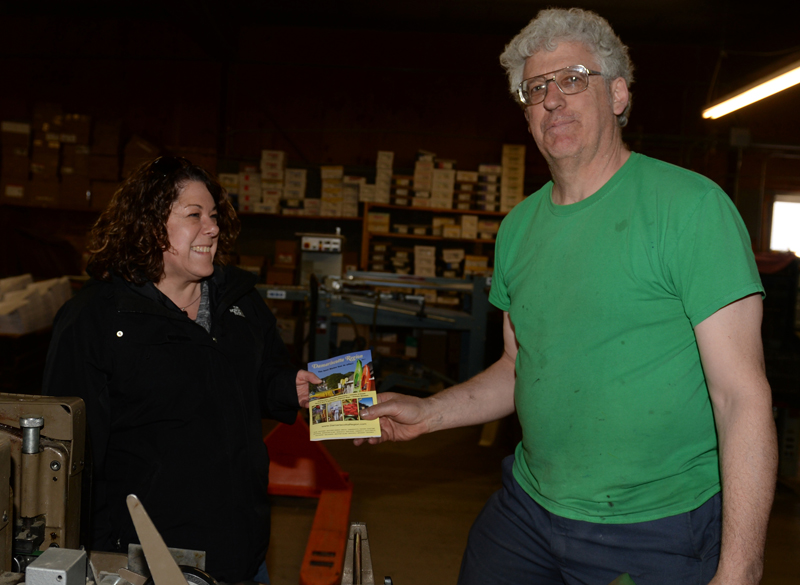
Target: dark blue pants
[516,541]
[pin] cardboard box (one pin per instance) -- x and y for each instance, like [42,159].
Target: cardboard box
[229,182]
[102,193]
[14,191]
[273,157]
[476,265]
[44,172]
[205,158]
[469,227]
[286,253]
[15,167]
[312,206]
[46,115]
[385,159]
[453,255]
[106,137]
[75,160]
[283,276]
[331,172]
[451,231]
[15,134]
[44,192]
[488,225]
[75,192]
[137,152]
[103,167]
[378,222]
[76,129]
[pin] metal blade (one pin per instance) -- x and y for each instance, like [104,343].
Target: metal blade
[163,568]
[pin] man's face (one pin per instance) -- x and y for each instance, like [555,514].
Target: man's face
[578,125]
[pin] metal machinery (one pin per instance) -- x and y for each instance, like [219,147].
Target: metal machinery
[356,298]
[41,468]
[321,255]
[42,461]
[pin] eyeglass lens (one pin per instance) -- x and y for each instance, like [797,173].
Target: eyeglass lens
[569,80]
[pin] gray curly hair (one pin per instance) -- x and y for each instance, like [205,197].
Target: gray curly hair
[574,25]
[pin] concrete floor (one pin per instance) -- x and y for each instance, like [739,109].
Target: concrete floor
[419,499]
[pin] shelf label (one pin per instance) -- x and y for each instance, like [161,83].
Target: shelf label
[276,294]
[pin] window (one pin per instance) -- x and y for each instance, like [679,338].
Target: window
[785,233]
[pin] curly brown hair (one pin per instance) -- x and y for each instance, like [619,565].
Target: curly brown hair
[130,236]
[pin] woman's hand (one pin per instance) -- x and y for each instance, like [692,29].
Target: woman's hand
[302,380]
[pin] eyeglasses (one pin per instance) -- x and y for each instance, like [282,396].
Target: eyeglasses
[569,80]
[166,165]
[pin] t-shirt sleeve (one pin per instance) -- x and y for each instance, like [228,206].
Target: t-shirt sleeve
[498,295]
[711,263]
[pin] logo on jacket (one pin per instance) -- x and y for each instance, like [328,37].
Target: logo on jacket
[236,311]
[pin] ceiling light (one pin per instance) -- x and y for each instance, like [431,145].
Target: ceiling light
[765,87]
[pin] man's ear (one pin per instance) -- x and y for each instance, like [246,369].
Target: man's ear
[619,95]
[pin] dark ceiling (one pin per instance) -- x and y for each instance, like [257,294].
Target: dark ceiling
[733,25]
[750,35]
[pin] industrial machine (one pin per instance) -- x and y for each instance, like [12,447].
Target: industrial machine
[44,440]
[362,298]
[320,255]
[42,464]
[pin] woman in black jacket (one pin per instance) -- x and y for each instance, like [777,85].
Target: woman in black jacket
[178,359]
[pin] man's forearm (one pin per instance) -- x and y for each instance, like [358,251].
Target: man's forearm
[748,465]
[486,397]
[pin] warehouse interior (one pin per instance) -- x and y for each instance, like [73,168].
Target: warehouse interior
[332,85]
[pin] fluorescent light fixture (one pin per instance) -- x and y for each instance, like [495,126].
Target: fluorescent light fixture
[765,87]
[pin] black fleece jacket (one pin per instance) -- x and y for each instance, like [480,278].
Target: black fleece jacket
[174,413]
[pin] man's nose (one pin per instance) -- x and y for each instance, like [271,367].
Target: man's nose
[553,96]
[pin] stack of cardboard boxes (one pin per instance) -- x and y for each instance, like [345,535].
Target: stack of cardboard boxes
[487,194]
[15,140]
[137,152]
[230,182]
[249,188]
[422,181]
[351,194]
[104,170]
[442,188]
[379,258]
[271,182]
[401,193]
[383,176]
[331,195]
[294,193]
[424,260]
[464,189]
[513,173]
[281,270]
[63,160]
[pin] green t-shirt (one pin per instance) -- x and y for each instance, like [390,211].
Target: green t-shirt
[604,294]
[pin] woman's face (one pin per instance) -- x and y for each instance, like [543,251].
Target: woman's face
[193,234]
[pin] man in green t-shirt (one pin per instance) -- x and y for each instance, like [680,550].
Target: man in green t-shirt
[632,311]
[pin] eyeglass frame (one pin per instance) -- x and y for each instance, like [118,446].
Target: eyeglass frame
[551,76]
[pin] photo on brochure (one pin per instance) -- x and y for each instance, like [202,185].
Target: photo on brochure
[347,388]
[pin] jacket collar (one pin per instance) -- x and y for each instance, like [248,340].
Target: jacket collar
[227,285]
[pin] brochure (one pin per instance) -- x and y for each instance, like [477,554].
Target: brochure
[348,387]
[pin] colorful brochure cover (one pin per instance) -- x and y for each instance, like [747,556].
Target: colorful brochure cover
[348,387]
